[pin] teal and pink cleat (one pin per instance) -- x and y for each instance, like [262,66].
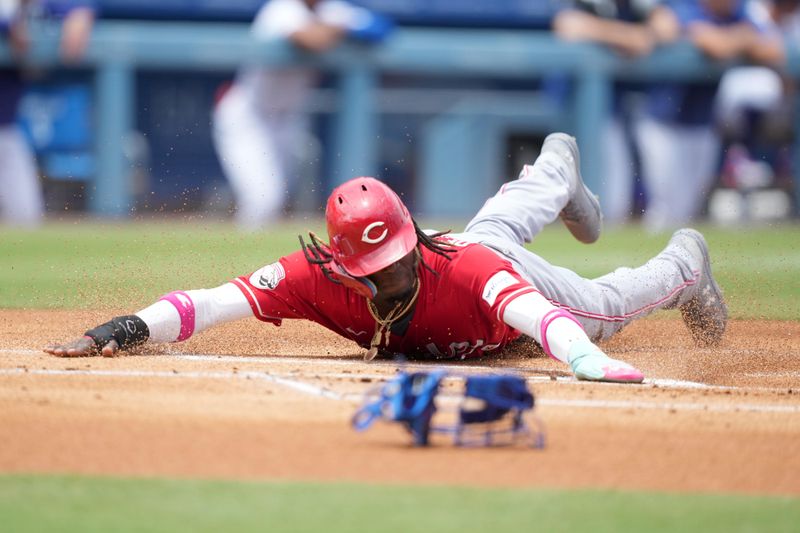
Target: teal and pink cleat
[589,363]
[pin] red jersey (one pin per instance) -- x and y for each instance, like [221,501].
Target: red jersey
[457,314]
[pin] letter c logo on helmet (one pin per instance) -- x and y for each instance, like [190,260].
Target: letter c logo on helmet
[366,238]
[369,228]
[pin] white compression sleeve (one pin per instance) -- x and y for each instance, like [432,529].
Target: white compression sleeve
[527,312]
[210,307]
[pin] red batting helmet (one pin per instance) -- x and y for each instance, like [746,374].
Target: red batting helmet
[368,226]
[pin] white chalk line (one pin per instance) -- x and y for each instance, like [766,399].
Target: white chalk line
[790,374]
[323,392]
[300,386]
[676,406]
[455,366]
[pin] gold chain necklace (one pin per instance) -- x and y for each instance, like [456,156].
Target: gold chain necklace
[383,325]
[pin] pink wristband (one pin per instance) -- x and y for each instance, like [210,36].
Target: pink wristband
[548,318]
[183,303]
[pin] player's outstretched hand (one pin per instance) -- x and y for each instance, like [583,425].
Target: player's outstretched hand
[83,347]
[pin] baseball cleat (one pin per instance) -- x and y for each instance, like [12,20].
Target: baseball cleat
[706,313]
[581,215]
[596,366]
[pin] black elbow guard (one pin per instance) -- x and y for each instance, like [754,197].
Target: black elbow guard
[128,331]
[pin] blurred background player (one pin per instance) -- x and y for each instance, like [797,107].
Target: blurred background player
[679,145]
[21,200]
[632,28]
[259,128]
[755,113]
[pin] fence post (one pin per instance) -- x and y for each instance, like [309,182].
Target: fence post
[114,83]
[592,108]
[356,125]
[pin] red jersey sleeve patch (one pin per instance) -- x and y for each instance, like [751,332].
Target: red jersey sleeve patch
[502,288]
[492,279]
[274,290]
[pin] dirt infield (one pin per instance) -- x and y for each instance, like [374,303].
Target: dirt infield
[250,401]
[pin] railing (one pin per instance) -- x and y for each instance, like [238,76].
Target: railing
[117,49]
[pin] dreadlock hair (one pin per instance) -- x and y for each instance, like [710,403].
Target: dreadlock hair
[434,244]
[319,252]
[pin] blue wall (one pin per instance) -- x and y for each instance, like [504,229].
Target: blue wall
[174,112]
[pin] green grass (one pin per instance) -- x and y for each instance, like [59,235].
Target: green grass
[758,268]
[85,265]
[127,265]
[81,504]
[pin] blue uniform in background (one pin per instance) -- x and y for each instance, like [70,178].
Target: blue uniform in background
[11,82]
[629,19]
[693,103]
[20,192]
[679,145]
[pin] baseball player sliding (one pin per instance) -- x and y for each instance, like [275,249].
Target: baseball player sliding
[394,289]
